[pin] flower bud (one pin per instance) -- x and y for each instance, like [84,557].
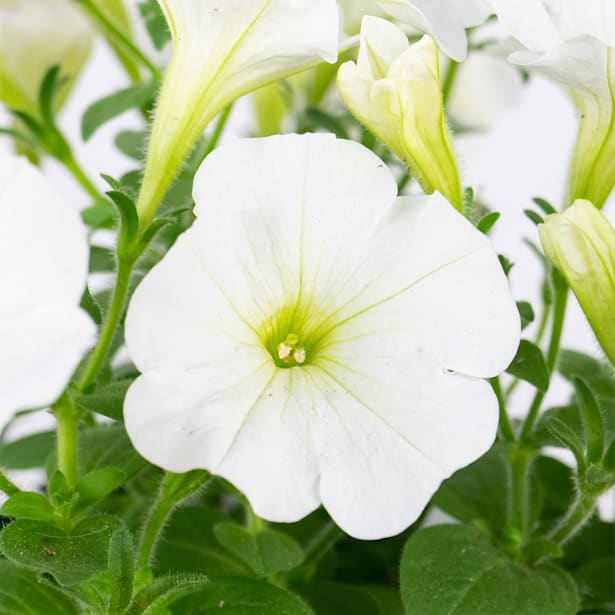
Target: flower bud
[394,91]
[34,36]
[580,242]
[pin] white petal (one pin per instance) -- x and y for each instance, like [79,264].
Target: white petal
[43,246]
[386,445]
[39,351]
[445,20]
[254,430]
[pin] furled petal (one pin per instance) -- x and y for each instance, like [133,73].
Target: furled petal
[43,266]
[394,90]
[445,20]
[223,49]
[388,308]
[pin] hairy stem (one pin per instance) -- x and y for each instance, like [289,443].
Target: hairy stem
[574,520]
[67,418]
[505,426]
[99,354]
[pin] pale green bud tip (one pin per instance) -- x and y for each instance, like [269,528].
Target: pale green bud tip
[580,242]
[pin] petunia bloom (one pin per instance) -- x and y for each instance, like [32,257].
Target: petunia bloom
[34,36]
[223,49]
[581,243]
[43,267]
[314,339]
[573,42]
[394,90]
[444,20]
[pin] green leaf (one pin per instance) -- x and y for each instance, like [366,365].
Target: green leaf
[335,599]
[69,557]
[130,219]
[242,597]
[121,569]
[487,222]
[27,453]
[596,374]
[28,505]
[478,492]
[544,205]
[456,570]
[88,303]
[526,312]
[593,426]
[47,92]
[533,216]
[155,23]
[568,437]
[95,486]
[529,364]
[99,215]
[553,489]
[23,592]
[189,545]
[132,143]
[115,104]
[107,399]
[266,552]
[506,264]
[102,260]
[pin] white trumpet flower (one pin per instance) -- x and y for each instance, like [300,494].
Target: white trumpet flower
[314,339]
[573,42]
[43,267]
[223,49]
[444,20]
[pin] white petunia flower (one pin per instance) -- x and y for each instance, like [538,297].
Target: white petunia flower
[573,42]
[314,339]
[43,267]
[223,49]
[444,20]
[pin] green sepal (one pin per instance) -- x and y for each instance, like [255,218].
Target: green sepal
[568,437]
[544,205]
[533,216]
[28,505]
[487,222]
[593,425]
[109,107]
[529,364]
[467,203]
[129,227]
[541,548]
[59,490]
[121,569]
[506,264]
[47,92]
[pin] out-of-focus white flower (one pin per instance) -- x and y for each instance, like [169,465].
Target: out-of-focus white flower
[43,267]
[353,11]
[581,243]
[444,20]
[312,338]
[223,49]
[394,90]
[573,42]
[34,36]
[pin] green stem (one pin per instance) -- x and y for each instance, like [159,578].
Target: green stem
[99,354]
[79,174]
[520,464]
[173,489]
[328,536]
[67,417]
[557,326]
[577,516]
[7,487]
[505,426]
[121,38]
[449,79]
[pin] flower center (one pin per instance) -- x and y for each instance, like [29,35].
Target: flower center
[291,352]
